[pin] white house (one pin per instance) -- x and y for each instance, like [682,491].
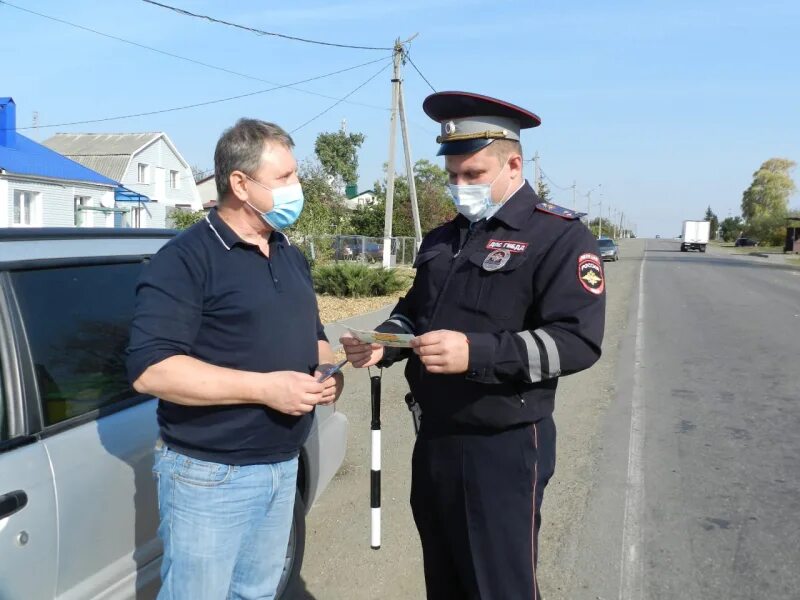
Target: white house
[147,164]
[207,188]
[41,188]
[360,200]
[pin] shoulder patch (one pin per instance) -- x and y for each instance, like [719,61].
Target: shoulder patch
[559,211]
[590,273]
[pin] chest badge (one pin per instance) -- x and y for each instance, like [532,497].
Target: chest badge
[496,259]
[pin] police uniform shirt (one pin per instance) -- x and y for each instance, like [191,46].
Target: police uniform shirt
[527,288]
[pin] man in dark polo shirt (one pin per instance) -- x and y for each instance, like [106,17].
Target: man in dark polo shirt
[227,335]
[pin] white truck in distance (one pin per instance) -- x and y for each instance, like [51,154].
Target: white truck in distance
[695,235]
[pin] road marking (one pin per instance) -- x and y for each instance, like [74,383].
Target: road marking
[631,575]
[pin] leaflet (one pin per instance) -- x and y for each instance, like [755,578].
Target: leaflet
[394,340]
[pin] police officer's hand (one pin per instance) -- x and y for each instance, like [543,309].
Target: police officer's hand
[442,351]
[291,392]
[360,354]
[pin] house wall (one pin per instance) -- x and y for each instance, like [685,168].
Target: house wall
[55,205]
[159,154]
[207,190]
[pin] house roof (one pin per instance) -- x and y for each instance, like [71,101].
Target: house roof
[26,157]
[108,153]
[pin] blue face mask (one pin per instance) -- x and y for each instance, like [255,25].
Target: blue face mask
[287,204]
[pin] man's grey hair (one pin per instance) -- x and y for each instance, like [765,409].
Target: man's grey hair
[240,148]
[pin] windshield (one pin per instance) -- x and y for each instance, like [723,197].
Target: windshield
[605,244]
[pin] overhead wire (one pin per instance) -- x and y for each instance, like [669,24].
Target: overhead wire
[207,103]
[407,56]
[335,104]
[179,57]
[187,13]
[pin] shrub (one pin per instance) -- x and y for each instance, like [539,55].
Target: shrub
[356,280]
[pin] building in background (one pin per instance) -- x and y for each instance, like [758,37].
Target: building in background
[41,188]
[157,179]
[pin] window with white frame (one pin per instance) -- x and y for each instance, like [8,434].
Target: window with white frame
[25,207]
[174,180]
[81,214]
[143,173]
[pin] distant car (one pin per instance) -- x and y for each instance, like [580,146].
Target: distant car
[742,241]
[608,249]
[658,237]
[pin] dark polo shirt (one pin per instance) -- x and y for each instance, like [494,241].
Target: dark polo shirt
[211,295]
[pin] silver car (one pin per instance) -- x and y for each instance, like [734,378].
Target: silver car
[78,507]
[608,249]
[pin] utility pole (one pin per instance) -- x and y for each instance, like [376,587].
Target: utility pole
[537,174]
[600,219]
[397,107]
[412,184]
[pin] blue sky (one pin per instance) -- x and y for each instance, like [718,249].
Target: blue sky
[670,106]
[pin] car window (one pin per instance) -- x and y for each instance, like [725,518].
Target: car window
[606,243]
[77,321]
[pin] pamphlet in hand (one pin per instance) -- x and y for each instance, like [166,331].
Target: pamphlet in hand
[394,340]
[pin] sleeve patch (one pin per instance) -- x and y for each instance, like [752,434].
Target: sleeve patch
[590,274]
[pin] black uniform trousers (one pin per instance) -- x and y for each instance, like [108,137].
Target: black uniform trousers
[476,499]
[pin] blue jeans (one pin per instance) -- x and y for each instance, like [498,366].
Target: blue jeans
[225,528]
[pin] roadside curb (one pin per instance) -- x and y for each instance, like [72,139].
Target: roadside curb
[761,254]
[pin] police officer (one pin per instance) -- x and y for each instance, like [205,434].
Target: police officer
[508,297]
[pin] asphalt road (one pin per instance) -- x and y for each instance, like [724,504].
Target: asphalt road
[697,488]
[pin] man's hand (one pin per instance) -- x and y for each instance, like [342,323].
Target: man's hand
[291,392]
[333,384]
[358,353]
[443,351]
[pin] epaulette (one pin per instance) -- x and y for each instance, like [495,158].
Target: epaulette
[558,211]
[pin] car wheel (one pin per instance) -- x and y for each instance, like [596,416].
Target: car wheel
[295,551]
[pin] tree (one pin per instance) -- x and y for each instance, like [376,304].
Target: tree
[714,220]
[543,191]
[731,228]
[770,190]
[199,173]
[183,219]
[323,209]
[608,229]
[338,155]
[765,203]
[435,205]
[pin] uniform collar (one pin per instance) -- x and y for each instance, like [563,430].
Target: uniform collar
[518,208]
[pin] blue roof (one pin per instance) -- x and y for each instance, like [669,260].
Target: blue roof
[26,157]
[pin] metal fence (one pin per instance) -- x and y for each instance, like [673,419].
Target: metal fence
[357,248]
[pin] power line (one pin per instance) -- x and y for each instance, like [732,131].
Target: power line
[178,56]
[186,13]
[553,183]
[338,102]
[207,103]
[408,57]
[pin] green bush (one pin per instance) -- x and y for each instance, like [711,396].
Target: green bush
[357,280]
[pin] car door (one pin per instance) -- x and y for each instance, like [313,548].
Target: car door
[98,433]
[28,530]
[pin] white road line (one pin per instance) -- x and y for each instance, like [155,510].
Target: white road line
[631,575]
